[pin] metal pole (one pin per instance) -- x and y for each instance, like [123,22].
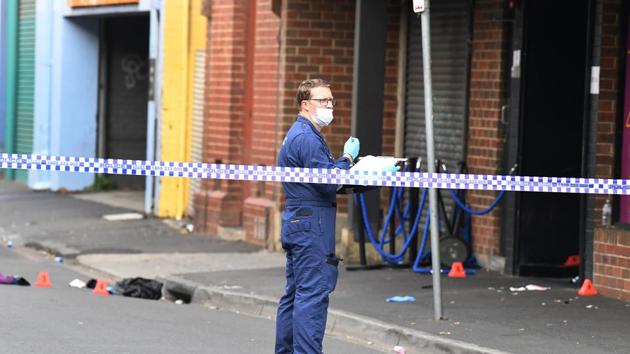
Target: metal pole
[149,185]
[428,117]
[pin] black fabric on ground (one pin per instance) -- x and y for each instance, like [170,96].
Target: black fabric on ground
[140,287]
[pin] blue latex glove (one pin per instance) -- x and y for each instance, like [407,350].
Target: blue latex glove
[392,168]
[401,299]
[352,147]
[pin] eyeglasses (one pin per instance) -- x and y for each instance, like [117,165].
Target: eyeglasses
[325,101]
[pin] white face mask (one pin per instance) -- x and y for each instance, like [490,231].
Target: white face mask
[323,116]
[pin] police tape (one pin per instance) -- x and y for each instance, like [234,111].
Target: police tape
[309,175]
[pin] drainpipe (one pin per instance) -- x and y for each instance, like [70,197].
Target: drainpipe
[589,137]
[150,189]
[11,77]
[399,149]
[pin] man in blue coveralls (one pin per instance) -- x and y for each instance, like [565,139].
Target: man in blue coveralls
[308,224]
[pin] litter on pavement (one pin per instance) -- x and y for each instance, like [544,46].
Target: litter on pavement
[13,280]
[401,299]
[123,217]
[130,287]
[529,287]
[140,288]
[77,283]
[400,350]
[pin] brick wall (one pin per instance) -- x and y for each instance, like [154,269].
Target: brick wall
[259,206]
[390,97]
[320,44]
[224,112]
[612,262]
[484,133]
[611,258]
[392,48]
[318,41]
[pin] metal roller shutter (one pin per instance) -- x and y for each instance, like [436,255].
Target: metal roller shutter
[197,123]
[450,40]
[24,108]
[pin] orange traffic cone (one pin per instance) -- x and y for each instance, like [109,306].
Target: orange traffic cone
[572,261]
[100,288]
[43,280]
[587,289]
[457,271]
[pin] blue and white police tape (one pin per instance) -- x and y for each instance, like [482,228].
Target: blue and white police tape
[307,175]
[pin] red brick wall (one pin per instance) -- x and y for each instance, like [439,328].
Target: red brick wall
[319,43]
[392,48]
[611,263]
[223,111]
[608,93]
[484,137]
[265,122]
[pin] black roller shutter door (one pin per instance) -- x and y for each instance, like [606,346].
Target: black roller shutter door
[450,47]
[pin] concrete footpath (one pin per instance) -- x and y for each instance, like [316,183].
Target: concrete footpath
[483,315]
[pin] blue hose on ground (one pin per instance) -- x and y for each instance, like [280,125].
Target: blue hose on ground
[416,263]
[397,258]
[387,219]
[476,212]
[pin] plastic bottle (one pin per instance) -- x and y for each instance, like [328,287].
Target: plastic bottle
[607,214]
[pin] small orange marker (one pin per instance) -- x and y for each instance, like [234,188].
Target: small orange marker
[457,271]
[43,280]
[100,288]
[587,289]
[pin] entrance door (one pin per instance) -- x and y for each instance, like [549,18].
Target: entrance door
[547,139]
[127,88]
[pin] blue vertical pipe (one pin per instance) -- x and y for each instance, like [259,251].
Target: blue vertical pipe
[44,39]
[151,109]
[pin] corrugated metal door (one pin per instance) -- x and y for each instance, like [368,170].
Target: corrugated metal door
[25,88]
[197,123]
[450,40]
[127,93]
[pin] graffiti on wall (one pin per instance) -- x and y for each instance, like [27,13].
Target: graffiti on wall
[135,68]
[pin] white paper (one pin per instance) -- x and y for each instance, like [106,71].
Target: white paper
[375,163]
[123,217]
[516,64]
[595,80]
[418,6]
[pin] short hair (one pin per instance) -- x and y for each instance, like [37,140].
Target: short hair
[304,90]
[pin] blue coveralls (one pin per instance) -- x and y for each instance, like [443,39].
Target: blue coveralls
[308,236]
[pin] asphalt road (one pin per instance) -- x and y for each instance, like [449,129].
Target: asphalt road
[69,320]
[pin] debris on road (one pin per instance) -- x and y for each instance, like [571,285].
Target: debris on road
[401,299]
[13,280]
[123,217]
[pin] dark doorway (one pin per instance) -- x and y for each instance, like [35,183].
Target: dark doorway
[551,90]
[126,84]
